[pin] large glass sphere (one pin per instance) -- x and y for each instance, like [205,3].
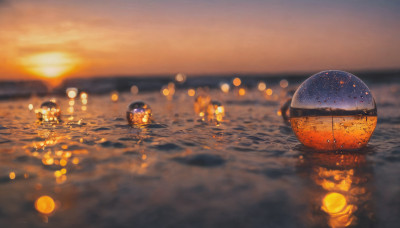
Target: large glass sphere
[138,113]
[49,112]
[333,110]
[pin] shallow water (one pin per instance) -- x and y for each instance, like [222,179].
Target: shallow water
[247,171]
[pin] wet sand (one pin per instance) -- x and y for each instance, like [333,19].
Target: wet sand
[247,171]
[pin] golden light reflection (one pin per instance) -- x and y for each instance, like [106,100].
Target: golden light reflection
[72,92]
[242,92]
[58,158]
[237,82]
[75,161]
[70,110]
[181,78]
[45,205]
[191,92]
[169,90]
[339,211]
[114,96]
[225,87]
[335,180]
[215,111]
[84,95]
[165,92]
[261,86]
[49,64]
[201,104]
[341,190]
[12,175]
[333,203]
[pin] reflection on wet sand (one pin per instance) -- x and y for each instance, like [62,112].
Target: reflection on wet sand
[340,188]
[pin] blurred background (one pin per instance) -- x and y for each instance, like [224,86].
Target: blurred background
[57,40]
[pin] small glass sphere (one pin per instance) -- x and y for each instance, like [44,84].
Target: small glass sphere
[48,112]
[215,111]
[138,113]
[333,110]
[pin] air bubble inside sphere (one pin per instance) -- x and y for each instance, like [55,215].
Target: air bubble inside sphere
[333,110]
[48,112]
[138,113]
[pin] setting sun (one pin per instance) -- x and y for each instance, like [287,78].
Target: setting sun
[49,64]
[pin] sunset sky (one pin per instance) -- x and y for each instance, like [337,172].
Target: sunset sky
[77,38]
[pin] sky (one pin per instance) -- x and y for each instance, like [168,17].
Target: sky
[75,38]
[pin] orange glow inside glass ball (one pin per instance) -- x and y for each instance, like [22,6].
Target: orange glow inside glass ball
[333,110]
[138,113]
[49,112]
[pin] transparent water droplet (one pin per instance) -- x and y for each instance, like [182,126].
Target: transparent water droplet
[342,115]
[138,113]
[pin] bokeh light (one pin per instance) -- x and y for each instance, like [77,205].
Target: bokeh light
[72,92]
[191,92]
[114,96]
[242,91]
[284,83]
[201,104]
[84,96]
[180,78]
[45,205]
[261,86]
[225,87]
[12,175]
[215,111]
[237,82]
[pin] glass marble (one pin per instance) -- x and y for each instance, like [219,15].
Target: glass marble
[333,110]
[49,112]
[138,113]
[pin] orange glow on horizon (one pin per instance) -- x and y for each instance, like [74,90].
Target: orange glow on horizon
[44,38]
[49,64]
